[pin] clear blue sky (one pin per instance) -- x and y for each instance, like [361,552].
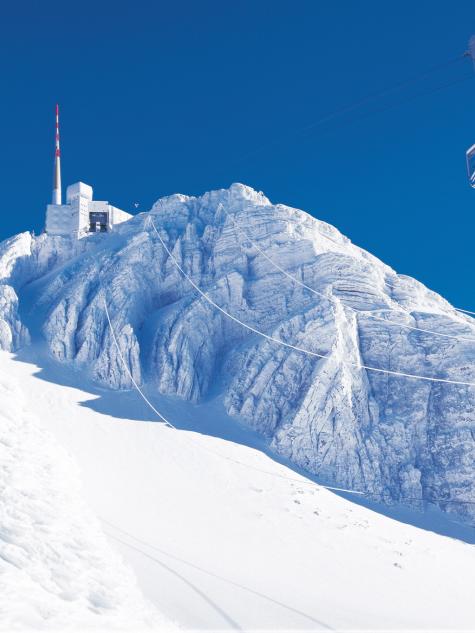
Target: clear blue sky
[186,96]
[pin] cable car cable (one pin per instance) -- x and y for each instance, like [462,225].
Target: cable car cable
[352,106]
[208,450]
[335,301]
[294,347]
[302,481]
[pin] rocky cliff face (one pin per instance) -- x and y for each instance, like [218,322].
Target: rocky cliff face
[397,438]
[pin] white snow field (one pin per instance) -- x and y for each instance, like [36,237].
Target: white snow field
[214,545]
[57,568]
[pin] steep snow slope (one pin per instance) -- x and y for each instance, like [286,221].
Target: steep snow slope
[395,438]
[223,546]
[57,570]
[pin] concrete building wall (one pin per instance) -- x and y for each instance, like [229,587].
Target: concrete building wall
[78,189]
[83,215]
[73,218]
[119,216]
[60,219]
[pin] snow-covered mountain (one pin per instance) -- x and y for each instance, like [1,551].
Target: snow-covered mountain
[394,438]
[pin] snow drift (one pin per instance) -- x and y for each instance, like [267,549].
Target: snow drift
[57,569]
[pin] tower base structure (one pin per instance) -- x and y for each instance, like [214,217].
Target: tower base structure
[81,215]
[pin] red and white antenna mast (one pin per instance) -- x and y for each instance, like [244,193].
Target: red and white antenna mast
[57,165]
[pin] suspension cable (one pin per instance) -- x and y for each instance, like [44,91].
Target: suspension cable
[296,134]
[301,481]
[294,347]
[167,422]
[335,301]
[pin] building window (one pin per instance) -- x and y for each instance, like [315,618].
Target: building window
[98,221]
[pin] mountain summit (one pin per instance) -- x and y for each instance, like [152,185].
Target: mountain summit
[316,396]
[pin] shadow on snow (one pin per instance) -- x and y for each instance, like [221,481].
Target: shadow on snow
[210,418]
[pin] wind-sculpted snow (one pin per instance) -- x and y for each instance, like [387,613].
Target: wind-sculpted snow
[24,258]
[57,569]
[395,438]
[12,333]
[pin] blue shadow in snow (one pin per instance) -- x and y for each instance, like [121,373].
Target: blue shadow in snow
[210,418]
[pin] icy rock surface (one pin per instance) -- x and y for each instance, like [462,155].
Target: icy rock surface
[57,569]
[395,438]
[24,258]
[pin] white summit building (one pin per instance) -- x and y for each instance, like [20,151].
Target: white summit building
[81,214]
